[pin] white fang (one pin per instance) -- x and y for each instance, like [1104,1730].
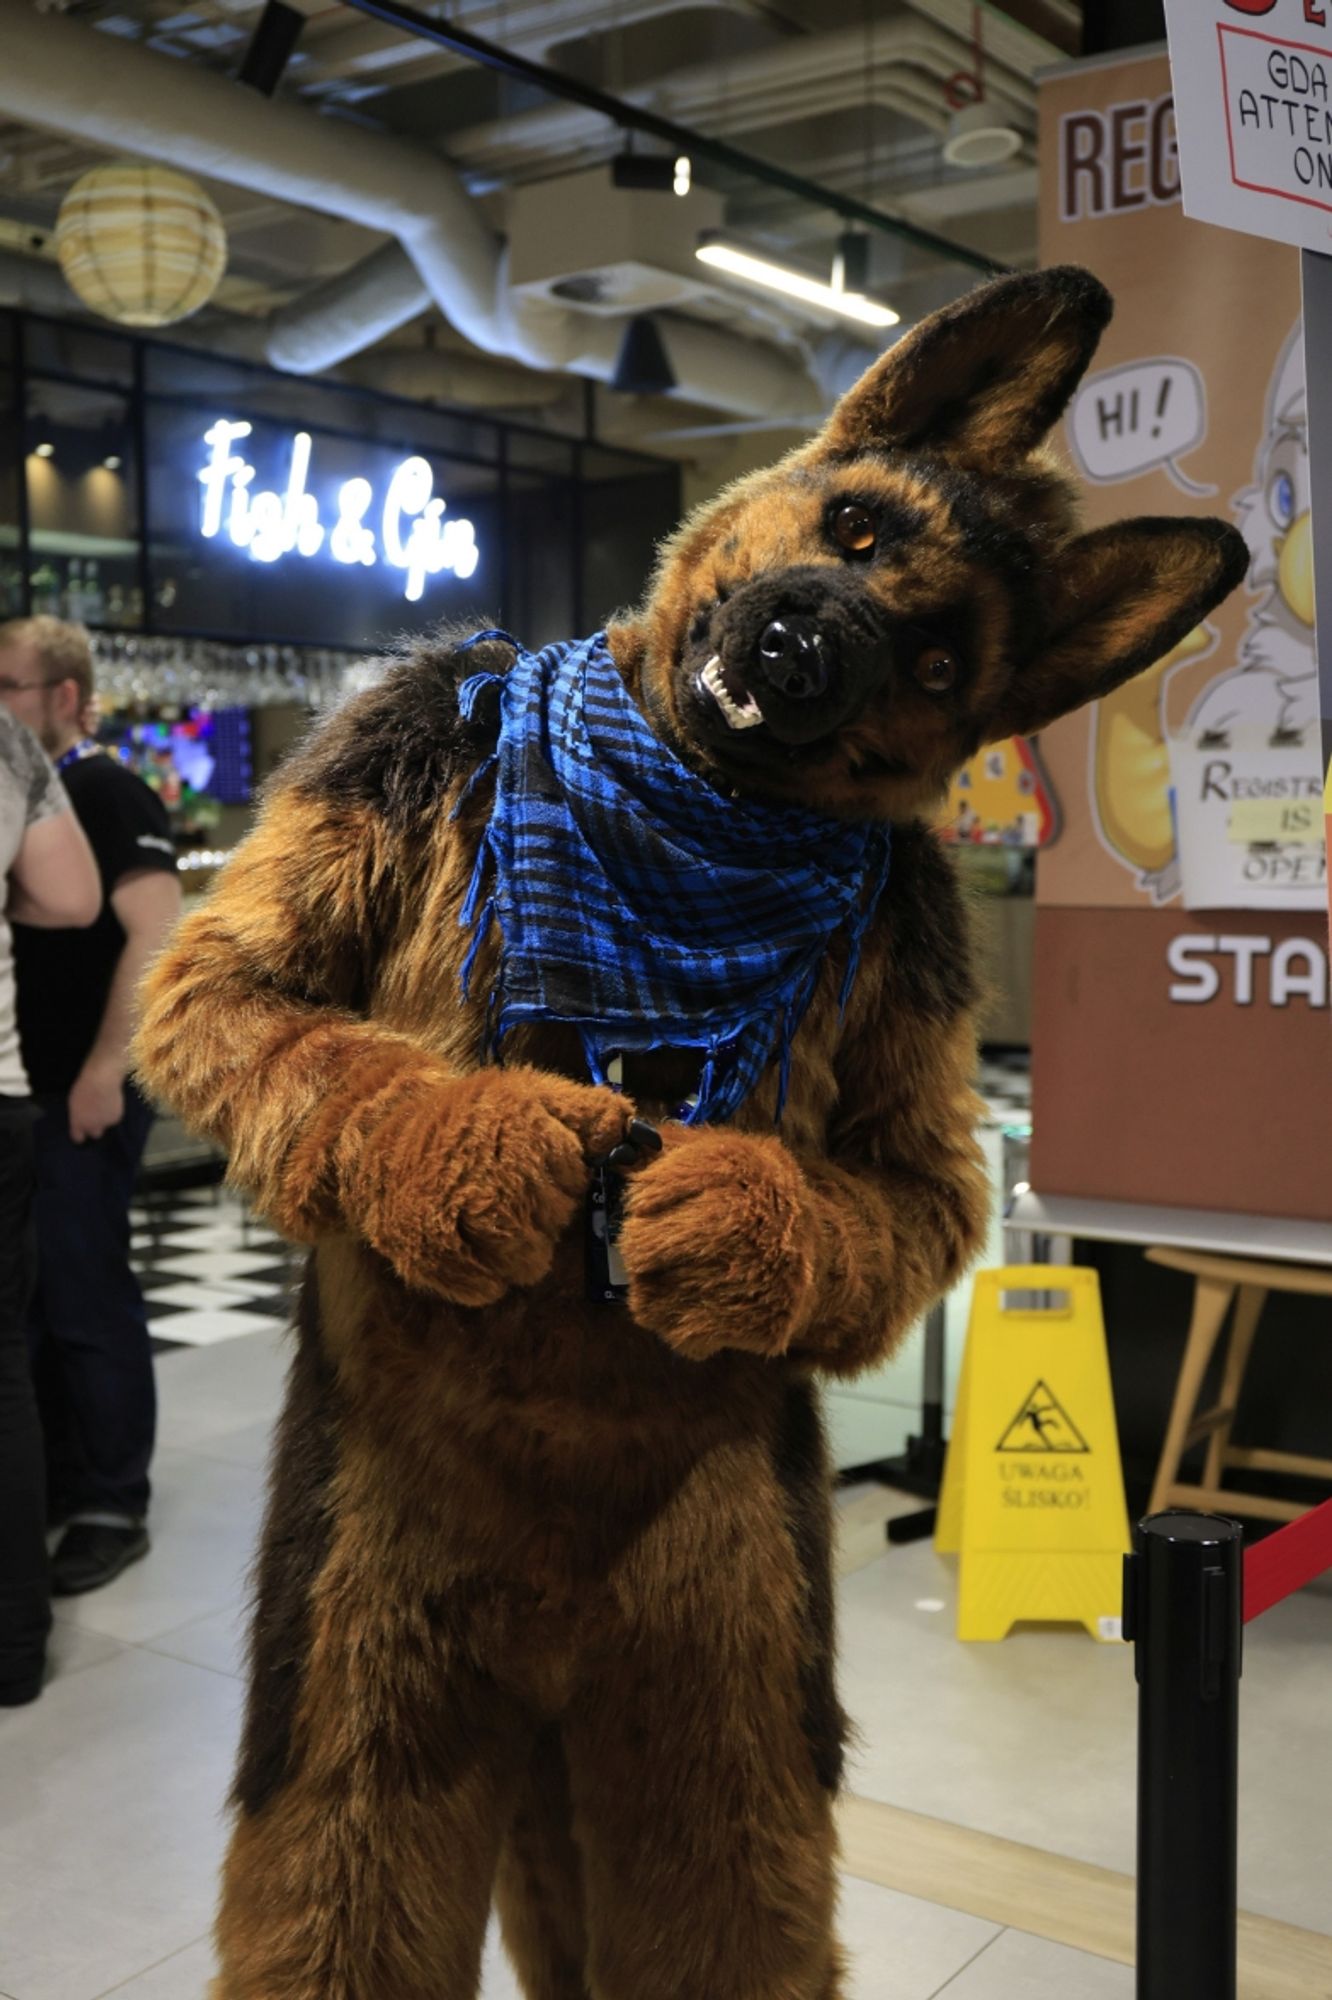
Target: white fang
[737,717]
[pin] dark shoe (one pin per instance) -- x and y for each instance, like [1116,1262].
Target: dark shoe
[91,1554]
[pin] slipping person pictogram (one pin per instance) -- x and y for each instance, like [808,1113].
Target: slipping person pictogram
[1042,1424]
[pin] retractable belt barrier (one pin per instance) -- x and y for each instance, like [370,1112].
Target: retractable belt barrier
[1283,1563]
[1188,1591]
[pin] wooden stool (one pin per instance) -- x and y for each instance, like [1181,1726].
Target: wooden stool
[1217,1280]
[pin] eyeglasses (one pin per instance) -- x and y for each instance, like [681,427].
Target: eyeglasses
[17,687]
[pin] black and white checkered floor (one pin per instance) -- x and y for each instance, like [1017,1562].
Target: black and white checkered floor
[1004,1081]
[209,1270]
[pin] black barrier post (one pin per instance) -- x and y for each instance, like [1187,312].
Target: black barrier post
[1183,1597]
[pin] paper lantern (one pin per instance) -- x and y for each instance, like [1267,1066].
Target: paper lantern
[141,245]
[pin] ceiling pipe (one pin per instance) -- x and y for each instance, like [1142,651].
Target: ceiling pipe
[365,52]
[911,61]
[424,375]
[436,375]
[632,114]
[335,320]
[313,333]
[63,76]
[306,337]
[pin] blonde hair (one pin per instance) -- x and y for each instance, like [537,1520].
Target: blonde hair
[63,649]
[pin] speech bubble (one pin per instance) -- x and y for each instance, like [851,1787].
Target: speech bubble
[1128,420]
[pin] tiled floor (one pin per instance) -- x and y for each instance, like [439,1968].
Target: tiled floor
[209,1271]
[111,1786]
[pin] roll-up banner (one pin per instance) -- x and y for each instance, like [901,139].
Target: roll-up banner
[1182,1035]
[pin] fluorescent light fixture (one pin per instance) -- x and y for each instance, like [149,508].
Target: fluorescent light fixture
[45,451]
[757,270]
[851,262]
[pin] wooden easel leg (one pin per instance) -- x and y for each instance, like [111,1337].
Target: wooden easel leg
[1248,1310]
[1211,1303]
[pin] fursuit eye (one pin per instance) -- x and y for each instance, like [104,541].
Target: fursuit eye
[855,529]
[936,670]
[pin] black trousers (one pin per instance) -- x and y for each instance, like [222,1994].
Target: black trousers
[25,1596]
[91,1354]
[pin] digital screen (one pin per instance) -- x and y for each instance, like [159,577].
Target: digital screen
[195,763]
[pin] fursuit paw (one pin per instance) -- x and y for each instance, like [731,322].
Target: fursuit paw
[719,1244]
[467,1186]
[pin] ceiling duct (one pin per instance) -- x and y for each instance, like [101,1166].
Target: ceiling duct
[591,242]
[641,110]
[337,319]
[66,77]
[35,285]
[807,76]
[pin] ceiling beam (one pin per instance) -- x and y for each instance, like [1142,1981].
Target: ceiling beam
[682,139]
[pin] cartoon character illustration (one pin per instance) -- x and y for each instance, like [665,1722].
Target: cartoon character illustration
[1275,686]
[1130,776]
[1273,691]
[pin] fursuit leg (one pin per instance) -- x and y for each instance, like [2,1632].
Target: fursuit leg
[539,1888]
[705,1828]
[368,1874]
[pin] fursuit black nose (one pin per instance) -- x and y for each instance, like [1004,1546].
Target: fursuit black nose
[795,657]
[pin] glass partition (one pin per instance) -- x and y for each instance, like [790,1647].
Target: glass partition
[158,490]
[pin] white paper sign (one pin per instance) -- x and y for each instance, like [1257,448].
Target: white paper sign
[1253,104]
[1249,822]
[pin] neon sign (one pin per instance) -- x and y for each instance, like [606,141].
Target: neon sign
[409,531]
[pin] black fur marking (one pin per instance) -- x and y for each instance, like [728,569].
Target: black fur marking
[986,537]
[802,1473]
[1097,582]
[944,420]
[928,948]
[399,746]
[1027,305]
[295,1546]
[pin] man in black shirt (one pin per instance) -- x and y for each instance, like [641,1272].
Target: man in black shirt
[47,876]
[76,990]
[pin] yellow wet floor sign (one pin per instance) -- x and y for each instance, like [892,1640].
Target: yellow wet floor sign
[1033,1496]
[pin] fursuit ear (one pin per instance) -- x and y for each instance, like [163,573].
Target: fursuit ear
[982,381]
[1114,601]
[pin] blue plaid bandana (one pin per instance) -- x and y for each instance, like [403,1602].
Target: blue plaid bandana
[637,903]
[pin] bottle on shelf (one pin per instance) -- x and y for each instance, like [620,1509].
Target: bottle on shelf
[47,589]
[94,597]
[74,598]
